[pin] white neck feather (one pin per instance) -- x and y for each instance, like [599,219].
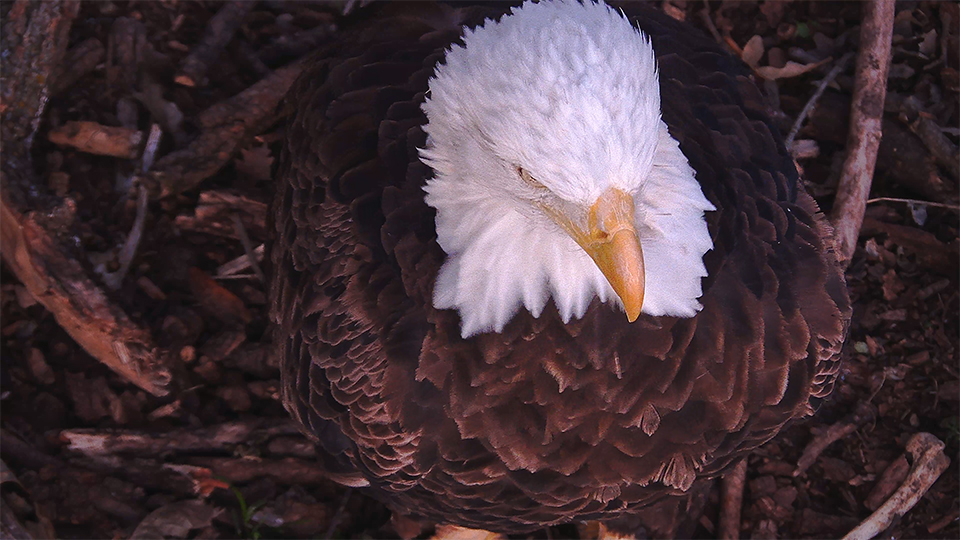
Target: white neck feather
[568,92]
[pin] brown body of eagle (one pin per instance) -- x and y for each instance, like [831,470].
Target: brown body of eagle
[544,422]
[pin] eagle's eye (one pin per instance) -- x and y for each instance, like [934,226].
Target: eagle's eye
[530,180]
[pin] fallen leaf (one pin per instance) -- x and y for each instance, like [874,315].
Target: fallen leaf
[216,299]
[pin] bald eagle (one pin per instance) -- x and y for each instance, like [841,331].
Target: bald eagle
[543,264]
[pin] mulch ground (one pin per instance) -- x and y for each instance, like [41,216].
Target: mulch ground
[219,458]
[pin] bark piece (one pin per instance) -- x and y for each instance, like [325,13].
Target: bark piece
[286,471]
[213,212]
[944,151]
[217,300]
[33,43]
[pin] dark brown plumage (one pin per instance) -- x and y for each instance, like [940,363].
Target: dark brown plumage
[545,422]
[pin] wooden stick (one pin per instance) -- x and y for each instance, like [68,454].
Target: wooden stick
[866,117]
[216,438]
[731,501]
[798,123]
[863,414]
[219,32]
[929,462]
[34,42]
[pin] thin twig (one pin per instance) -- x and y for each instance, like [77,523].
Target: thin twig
[954,207]
[840,65]
[229,269]
[150,149]
[866,117]
[247,247]
[335,521]
[861,415]
[113,280]
[708,20]
[929,462]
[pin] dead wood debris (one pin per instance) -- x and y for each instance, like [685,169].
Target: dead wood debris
[297,44]
[863,141]
[862,415]
[288,471]
[225,126]
[232,269]
[929,462]
[219,31]
[902,156]
[20,516]
[113,280]
[944,151]
[30,251]
[731,500]
[214,213]
[80,307]
[840,65]
[248,247]
[217,300]
[889,480]
[932,253]
[215,438]
[80,60]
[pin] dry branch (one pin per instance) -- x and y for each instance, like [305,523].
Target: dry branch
[840,65]
[80,60]
[863,414]
[219,31]
[731,500]
[225,126]
[184,480]
[929,462]
[79,306]
[216,438]
[863,141]
[944,151]
[33,43]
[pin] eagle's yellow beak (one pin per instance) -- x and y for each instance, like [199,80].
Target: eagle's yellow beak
[611,241]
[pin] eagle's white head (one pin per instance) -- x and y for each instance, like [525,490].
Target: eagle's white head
[554,174]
